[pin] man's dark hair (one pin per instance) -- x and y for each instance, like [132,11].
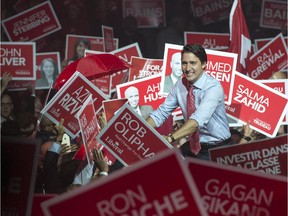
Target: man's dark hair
[197,50]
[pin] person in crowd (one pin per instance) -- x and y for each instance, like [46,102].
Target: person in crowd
[49,73]
[176,72]
[206,122]
[132,94]
[7,107]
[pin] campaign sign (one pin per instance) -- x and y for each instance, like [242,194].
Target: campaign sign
[144,67]
[45,64]
[273,14]
[267,155]
[94,43]
[149,13]
[228,190]
[111,107]
[269,59]
[134,191]
[108,35]
[89,128]
[104,84]
[222,66]
[32,24]
[18,58]
[253,101]
[148,89]
[19,159]
[261,42]
[69,100]
[210,11]
[280,85]
[130,139]
[125,53]
[37,200]
[209,40]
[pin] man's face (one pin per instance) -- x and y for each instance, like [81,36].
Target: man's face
[192,67]
[176,65]
[6,106]
[133,97]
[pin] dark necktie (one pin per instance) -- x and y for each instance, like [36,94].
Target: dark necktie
[191,108]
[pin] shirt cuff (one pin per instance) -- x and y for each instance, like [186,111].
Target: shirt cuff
[55,147]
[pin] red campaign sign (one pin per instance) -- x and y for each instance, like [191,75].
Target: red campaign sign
[68,101]
[125,53]
[134,191]
[32,24]
[144,67]
[261,42]
[280,85]
[210,11]
[89,127]
[110,107]
[94,43]
[253,101]
[149,13]
[18,58]
[209,40]
[269,59]
[37,200]
[47,61]
[108,35]
[149,91]
[273,14]
[267,155]
[130,139]
[19,159]
[104,84]
[227,190]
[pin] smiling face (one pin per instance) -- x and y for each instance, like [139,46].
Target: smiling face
[132,94]
[176,65]
[48,68]
[192,67]
[81,49]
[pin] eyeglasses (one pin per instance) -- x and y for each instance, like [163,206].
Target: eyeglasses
[6,104]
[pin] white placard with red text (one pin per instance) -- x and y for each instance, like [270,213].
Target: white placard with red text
[253,101]
[69,100]
[274,14]
[209,40]
[130,139]
[269,59]
[266,155]
[134,191]
[32,24]
[228,190]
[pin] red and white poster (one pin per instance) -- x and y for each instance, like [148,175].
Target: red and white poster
[89,127]
[37,200]
[269,59]
[19,159]
[280,85]
[144,67]
[18,58]
[261,42]
[108,36]
[68,101]
[93,43]
[253,101]
[111,107]
[210,11]
[48,68]
[134,191]
[149,13]
[130,139]
[274,14]
[148,91]
[104,84]
[228,190]
[267,155]
[220,65]
[209,40]
[32,24]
